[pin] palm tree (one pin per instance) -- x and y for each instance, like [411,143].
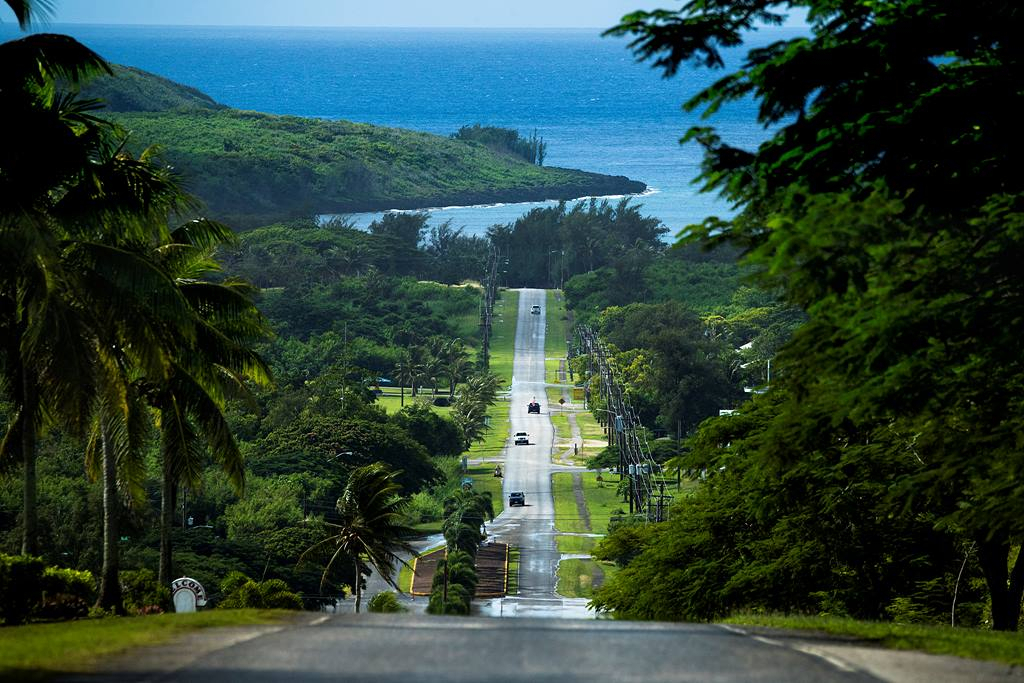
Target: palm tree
[369,532]
[404,374]
[204,374]
[456,364]
[45,375]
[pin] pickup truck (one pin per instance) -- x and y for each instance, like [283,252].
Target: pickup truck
[516,498]
[522,439]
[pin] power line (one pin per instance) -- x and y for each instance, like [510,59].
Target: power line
[623,424]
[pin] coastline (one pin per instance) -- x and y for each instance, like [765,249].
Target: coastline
[604,187]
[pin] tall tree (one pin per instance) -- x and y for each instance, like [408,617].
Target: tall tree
[887,204]
[369,532]
[205,371]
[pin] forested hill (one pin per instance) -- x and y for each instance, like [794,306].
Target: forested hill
[134,90]
[252,168]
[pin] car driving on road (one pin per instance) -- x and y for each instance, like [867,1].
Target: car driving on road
[516,498]
[533,407]
[522,439]
[535,309]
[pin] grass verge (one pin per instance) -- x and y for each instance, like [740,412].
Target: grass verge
[503,335]
[575,544]
[567,515]
[512,587]
[485,481]
[940,640]
[578,578]
[602,502]
[560,421]
[554,334]
[38,652]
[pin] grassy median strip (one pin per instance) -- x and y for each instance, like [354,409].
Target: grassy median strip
[512,587]
[42,651]
[939,640]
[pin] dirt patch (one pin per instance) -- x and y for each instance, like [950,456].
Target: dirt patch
[491,570]
[581,501]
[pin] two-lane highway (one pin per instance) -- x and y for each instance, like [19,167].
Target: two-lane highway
[528,468]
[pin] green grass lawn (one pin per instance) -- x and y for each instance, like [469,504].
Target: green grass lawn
[560,421]
[589,426]
[503,335]
[961,642]
[42,651]
[513,571]
[484,480]
[554,335]
[392,404]
[602,502]
[567,517]
[575,544]
[576,578]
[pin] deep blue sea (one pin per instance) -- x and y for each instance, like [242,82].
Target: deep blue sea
[595,106]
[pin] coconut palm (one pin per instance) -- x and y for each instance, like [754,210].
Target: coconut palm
[369,532]
[206,373]
[44,364]
[456,364]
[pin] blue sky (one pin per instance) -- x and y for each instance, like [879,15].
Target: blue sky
[413,13]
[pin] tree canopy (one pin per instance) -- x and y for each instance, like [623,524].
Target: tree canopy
[887,203]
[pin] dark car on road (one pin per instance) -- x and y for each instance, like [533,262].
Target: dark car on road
[516,498]
[533,407]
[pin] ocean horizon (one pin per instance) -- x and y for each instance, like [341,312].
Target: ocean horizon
[592,103]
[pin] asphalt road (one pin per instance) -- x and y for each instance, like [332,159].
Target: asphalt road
[528,469]
[378,648]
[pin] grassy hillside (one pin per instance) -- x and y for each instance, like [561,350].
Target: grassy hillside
[252,168]
[132,89]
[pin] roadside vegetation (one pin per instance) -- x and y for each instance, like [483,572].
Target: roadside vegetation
[936,639]
[27,652]
[862,340]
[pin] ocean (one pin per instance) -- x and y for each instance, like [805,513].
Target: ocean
[586,96]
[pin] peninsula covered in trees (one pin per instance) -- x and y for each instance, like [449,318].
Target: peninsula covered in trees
[251,168]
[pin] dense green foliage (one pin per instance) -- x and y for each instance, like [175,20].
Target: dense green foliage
[887,205]
[238,591]
[385,602]
[547,246]
[507,140]
[129,89]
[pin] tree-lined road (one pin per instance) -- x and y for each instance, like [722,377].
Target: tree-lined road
[409,648]
[528,468]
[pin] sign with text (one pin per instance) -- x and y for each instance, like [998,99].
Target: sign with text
[187,594]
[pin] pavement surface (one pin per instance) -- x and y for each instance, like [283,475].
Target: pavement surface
[528,468]
[568,645]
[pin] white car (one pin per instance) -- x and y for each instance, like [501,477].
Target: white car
[522,439]
[535,310]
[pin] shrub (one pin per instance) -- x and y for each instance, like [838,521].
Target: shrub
[67,593]
[142,593]
[385,602]
[239,592]
[21,586]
